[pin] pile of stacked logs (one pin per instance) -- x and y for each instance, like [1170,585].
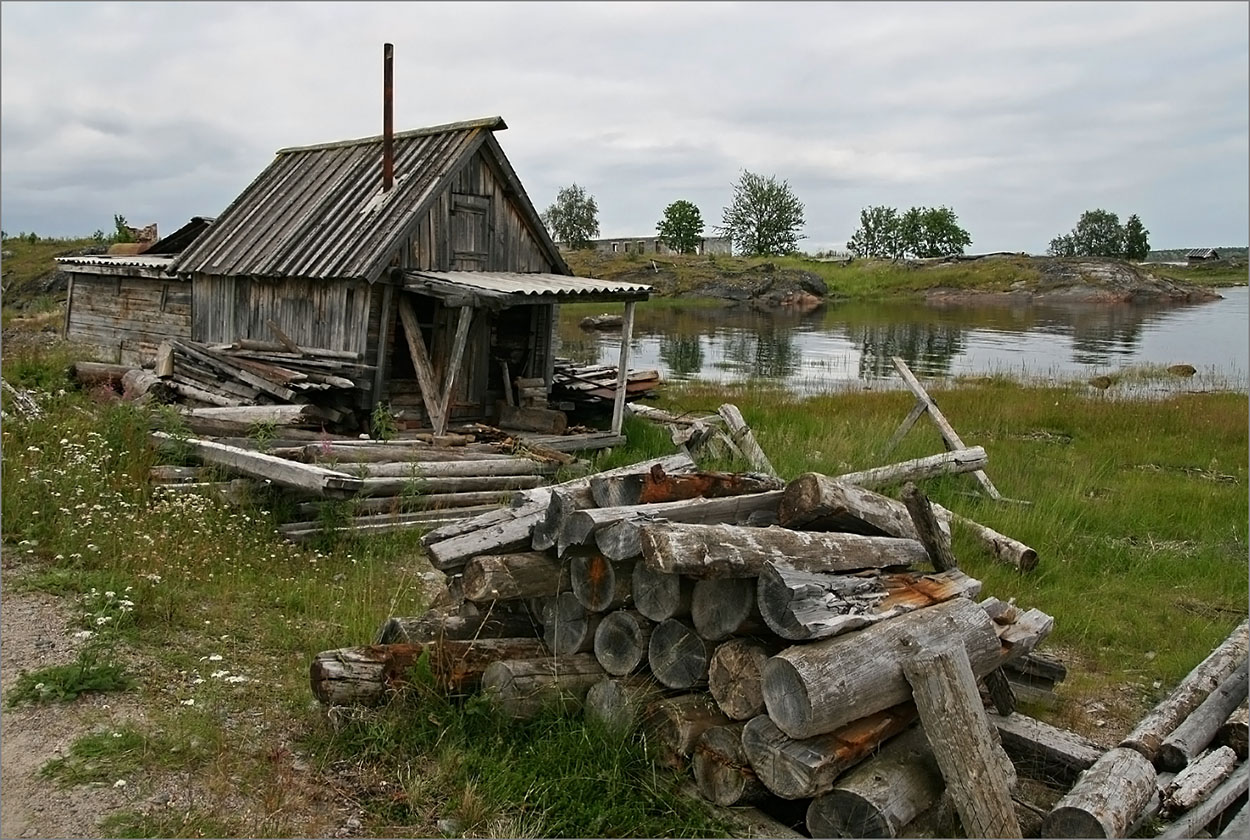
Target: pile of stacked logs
[810,643]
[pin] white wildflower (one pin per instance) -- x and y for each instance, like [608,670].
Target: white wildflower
[190,701]
[120,783]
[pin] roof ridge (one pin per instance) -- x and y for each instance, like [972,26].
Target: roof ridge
[491,123]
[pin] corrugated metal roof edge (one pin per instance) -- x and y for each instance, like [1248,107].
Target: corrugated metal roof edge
[491,123]
[594,285]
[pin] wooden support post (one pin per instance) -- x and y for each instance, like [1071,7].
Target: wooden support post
[966,747]
[936,544]
[622,372]
[949,435]
[745,439]
[384,343]
[421,363]
[453,367]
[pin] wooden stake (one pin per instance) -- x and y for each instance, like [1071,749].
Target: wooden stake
[622,371]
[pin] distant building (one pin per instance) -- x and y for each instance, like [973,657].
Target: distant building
[722,245]
[1201,255]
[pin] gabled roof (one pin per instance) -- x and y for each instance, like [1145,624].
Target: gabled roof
[178,241]
[319,211]
[1202,254]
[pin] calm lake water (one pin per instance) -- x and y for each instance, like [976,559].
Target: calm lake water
[841,345]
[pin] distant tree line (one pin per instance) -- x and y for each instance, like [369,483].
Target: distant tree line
[1099,233]
[921,232]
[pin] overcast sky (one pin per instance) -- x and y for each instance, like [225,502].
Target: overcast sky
[1019,116]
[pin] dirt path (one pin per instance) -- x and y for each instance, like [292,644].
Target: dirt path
[36,631]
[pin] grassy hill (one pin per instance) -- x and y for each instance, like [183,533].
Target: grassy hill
[28,263]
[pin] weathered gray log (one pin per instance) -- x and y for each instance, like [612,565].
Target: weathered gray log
[502,484]
[883,794]
[458,664]
[745,438]
[582,525]
[387,523]
[918,469]
[735,673]
[503,577]
[248,415]
[520,506]
[1239,826]
[621,641]
[725,551]
[1106,798]
[1039,667]
[746,820]
[674,724]
[658,595]
[1203,814]
[1235,732]
[317,480]
[1000,691]
[598,583]
[798,768]
[618,703]
[816,502]
[1044,752]
[656,485]
[977,772]
[361,676]
[347,453]
[814,688]
[805,606]
[563,502]
[496,620]
[936,544]
[1198,730]
[489,500]
[452,469]
[544,420]
[523,688]
[511,532]
[1006,550]
[99,373]
[1199,778]
[678,656]
[724,607]
[567,627]
[1148,735]
[721,769]
[138,383]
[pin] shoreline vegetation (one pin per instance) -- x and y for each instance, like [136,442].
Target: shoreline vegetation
[1138,512]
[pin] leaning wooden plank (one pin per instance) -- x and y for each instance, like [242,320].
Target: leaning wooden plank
[949,435]
[421,363]
[582,525]
[805,606]
[977,772]
[706,551]
[1106,799]
[317,480]
[745,438]
[1202,815]
[918,469]
[1044,752]
[883,794]
[815,502]
[936,543]
[1148,735]
[1239,826]
[1198,730]
[814,688]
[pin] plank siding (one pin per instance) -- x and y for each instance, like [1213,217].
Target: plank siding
[119,317]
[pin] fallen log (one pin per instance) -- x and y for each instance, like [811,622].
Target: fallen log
[658,486]
[947,463]
[724,551]
[618,703]
[1198,779]
[976,770]
[361,676]
[1235,732]
[883,794]
[370,453]
[504,577]
[805,606]
[1148,735]
[678,656]
[509,532]
[598,583]
[734,676]
[1106,799]
[457,468]
[581,525]
[815,502]
[458,664]
[316,480]
[567,627]
[621,641]
[674,724]
[799,768]
[1194,821]
[563,503]
[724,607]
[936,543]
[1199,729]
[1044,752]
[138,383]
[658,595]
[1006,550]
[721,770]
[523,688]
[246,416]
[500,484]
[814,688]
[99,373]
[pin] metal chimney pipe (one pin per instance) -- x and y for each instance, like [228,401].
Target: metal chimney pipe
[388,121]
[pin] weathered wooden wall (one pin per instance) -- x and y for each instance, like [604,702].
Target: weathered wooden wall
[124,318]
[326,314]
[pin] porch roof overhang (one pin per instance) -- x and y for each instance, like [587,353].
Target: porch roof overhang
[502,289]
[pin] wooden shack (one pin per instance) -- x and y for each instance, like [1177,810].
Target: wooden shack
[430,265]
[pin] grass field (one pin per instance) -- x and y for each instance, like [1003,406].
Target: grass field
[1137,508]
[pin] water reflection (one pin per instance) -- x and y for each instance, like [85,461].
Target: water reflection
[851,342]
